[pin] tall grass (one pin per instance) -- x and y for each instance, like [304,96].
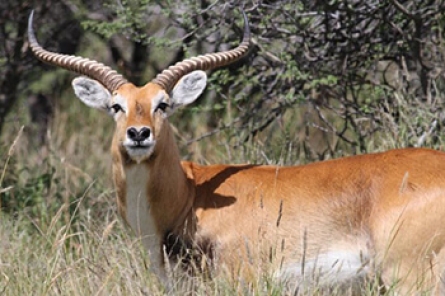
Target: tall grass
[61,234]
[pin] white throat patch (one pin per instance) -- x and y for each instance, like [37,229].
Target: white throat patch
[139,215]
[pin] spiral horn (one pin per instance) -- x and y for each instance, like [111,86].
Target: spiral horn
[170,76]
[95,70]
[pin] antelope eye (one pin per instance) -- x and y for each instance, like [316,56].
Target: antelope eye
[162,106]
[116,108]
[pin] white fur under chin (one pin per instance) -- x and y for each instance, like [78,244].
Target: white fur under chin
[139,154]
[139,217]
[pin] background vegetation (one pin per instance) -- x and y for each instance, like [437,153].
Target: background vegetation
[324,79]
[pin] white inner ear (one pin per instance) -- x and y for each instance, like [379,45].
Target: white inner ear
[92,93]
[188,88]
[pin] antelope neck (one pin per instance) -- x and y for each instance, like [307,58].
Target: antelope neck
[168,191]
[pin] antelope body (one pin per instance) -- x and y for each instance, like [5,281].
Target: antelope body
[341,220]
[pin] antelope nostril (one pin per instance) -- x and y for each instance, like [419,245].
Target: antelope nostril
[144,133]
[132,133]
[138,135]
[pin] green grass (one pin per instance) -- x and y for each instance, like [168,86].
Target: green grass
[59,230]
[88,257]
[96,257]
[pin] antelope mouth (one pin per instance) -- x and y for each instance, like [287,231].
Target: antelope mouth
[139,151]
[139,145]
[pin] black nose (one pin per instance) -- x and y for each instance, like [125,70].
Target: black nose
[138,135]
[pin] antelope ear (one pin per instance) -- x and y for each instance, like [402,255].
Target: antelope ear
[92,93]
[188,88]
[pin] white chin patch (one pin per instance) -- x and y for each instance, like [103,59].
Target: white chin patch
[138,153]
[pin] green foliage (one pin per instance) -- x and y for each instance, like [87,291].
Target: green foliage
[37,191]
[329,80]
[130,17]
[296,99]
[29,195]
[47,81]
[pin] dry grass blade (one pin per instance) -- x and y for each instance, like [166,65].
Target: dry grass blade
[10,153]
[4,190]
[14,143]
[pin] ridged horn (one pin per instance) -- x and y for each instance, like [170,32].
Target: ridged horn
[170,76]
[95,70]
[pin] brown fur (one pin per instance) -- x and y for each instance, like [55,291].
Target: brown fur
[248,219]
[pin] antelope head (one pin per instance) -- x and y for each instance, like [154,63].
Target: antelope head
[139,112]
